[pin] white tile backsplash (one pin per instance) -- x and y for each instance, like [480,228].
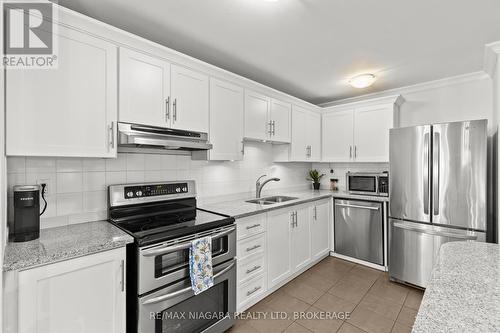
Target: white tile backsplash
[340,170]
[78,186]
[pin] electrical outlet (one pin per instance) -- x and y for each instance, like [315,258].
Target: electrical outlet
[46,182]
[331,171]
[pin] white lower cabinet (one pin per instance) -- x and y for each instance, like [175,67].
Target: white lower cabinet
[280,242]
[301,239]
[320,214]
[84,295]
[275,247]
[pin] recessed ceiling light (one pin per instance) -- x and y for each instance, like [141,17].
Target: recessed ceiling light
[362,81]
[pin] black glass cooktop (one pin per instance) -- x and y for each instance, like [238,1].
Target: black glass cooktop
[153,222]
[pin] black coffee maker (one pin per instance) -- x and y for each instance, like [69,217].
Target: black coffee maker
[26,225]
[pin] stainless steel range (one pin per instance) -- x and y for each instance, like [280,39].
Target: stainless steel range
[163,219]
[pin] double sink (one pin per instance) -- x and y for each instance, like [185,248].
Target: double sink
[271,200]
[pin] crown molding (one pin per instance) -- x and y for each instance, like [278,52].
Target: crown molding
[459,79]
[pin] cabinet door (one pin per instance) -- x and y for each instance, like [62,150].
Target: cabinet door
[226,120]
[371,132]
[70,110]
[298,148]
[279,246]
[313,129]
[301,239]
[320,229]
[144,90]
[86,294]
[280,117]
[337,133]
[256,116]
[190,99]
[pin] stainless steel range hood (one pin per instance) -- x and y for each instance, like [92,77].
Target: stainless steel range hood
[135,138]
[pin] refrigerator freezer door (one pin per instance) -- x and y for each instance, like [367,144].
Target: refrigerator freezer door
[409,183]
[459,174]
[359,230]
[414,248]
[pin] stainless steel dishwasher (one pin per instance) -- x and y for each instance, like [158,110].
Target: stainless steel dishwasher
[359,230]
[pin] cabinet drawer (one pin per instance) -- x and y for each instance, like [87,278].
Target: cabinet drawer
[252,225]
[251,267]
[250,291]
[251,246]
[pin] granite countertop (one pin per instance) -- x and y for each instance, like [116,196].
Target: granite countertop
[240,208]
[463,294]
[62,243]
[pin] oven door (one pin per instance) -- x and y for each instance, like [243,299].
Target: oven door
[165,263]
[362,184]
[175,308]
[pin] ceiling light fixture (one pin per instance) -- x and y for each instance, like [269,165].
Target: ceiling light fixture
[362,80]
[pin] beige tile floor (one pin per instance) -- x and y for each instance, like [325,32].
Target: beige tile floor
[336,286]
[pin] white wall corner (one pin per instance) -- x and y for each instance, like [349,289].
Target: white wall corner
[491,52]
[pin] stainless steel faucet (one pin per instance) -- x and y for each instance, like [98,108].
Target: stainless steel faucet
[259,185]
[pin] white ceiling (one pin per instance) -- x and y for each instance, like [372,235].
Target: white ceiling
[309,48]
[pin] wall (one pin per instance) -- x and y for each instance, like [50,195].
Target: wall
[457,98]
[77,187]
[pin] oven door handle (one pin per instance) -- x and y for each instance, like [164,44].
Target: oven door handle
[182,291]
[173,248]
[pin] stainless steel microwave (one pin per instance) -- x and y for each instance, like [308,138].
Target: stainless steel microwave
[368,183]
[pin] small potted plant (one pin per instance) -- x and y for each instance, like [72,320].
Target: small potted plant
[315,177]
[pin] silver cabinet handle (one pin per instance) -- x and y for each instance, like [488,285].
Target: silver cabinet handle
[310,151]
[350,151]
[253,269]
[434,232]
[254,290]
[122,266]
[182,291]
[167,108]
[270,132]
[315,213]
[427,173]
[111,133]
[435,173]
[253,226]
[357,206]
[296,219]
[355,151]
[255,247]
[181,246]
[274,127]
[175,109]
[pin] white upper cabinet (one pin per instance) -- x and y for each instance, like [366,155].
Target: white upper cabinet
[306,136]
[359,132]
[257,108]
[337,131]
[299,150]
[70,110]
[189,99]
[371,132]
[280,119]
[267,118]
[226,120]
[144,89]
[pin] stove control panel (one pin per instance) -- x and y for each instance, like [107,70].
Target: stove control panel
[141,191]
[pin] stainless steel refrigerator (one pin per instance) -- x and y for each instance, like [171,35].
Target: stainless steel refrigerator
[437,193]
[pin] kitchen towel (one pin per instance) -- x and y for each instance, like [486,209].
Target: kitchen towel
[200,264]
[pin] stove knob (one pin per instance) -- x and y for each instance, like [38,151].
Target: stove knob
[184,189]
[130,194]
[178,190]
[138,193]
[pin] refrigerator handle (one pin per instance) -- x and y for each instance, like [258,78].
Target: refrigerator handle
[426,173]
[435,172]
